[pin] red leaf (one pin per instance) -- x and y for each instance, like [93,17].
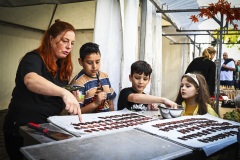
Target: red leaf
[194,18]
[223,7]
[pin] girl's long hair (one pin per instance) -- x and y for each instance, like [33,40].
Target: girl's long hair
[48,56]
[202,99]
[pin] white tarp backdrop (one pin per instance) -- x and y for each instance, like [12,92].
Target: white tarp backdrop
[108,34]
[130,39]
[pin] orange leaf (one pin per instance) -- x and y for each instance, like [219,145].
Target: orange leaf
[194,18]
[223,7]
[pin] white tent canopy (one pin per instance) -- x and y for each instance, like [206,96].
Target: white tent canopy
[179,12]
[40,16]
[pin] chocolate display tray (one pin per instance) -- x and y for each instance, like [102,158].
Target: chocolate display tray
[132,144]
[100,123]
[177,128]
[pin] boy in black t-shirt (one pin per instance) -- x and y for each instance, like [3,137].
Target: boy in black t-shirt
[133,98]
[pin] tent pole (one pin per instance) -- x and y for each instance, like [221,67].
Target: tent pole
[143,29]
[54,11]
[219,65]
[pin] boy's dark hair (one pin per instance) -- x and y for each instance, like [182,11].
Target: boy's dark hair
[140,67]
[88,48]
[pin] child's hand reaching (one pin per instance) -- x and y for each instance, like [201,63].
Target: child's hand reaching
[153,106]
[170,103]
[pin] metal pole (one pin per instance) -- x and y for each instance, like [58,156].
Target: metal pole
[200,30]
[194,49]
[175,43]
[54,11]
[199,34]
[200,50]
[219,65]
[143,29]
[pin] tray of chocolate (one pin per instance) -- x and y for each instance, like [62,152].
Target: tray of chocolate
[197,132]
[100,123]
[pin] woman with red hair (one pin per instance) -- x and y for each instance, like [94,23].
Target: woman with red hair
[40,78]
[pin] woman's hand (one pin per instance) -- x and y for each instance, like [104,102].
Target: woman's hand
[72,105]
[78,95]
[37,84]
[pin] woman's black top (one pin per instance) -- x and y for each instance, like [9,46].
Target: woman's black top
[205,67]
[26,106]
